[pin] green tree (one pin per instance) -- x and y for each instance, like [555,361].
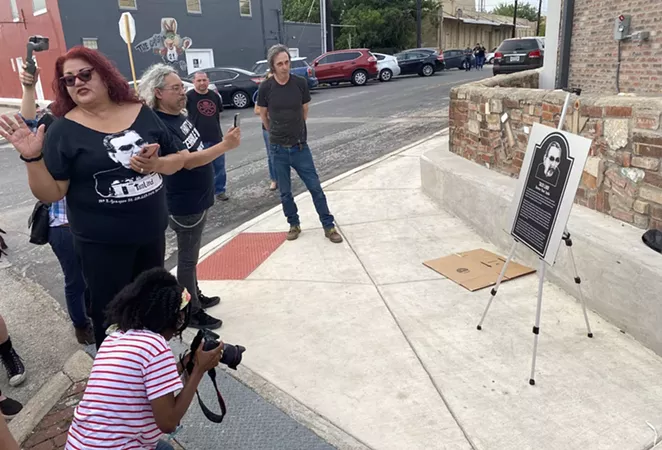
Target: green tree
[298,10]
[379,24]
[524,11]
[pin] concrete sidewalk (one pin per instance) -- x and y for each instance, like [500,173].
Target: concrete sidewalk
[384,352]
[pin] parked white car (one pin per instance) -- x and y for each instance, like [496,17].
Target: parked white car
[388,66]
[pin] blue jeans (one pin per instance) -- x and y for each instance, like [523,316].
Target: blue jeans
[220,177]
[75,289]
[270,159]
[300,159]
[480,60]
[163,445]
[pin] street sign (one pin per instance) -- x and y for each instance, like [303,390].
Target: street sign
[128,34]
[127,28]
[548,182]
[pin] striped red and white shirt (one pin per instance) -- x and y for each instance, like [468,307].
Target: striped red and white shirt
[130,370]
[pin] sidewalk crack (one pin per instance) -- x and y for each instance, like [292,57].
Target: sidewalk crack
[411,346]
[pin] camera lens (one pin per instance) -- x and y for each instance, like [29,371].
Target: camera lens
[232,355]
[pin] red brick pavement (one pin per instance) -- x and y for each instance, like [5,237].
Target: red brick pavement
[51,432]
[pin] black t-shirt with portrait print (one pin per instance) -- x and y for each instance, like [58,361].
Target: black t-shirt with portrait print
[188,191]
[107,201]
[204,111]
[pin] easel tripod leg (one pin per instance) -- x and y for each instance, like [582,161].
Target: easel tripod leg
[578,280]
[536,327]
[498,283]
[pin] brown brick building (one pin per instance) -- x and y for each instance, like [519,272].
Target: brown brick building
[594,52]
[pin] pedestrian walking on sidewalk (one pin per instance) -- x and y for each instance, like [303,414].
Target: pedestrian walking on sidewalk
[130,400]
[204,111]
[59,235]
[15,371]
[283,100]
[189,192]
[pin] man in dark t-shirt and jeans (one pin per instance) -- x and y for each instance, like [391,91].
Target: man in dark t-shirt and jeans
[204,108]
[283,100]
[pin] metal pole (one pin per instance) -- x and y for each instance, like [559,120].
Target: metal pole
[128,46]
[419,26]
[538,24]
[515,21]
[498,283]
[536,327]
[323,24]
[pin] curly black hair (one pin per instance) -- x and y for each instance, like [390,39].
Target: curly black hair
[152,302]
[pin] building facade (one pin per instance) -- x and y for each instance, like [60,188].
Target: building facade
[187,34]
[462,26]
[594,52]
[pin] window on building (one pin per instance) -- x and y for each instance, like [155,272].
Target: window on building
[128,4]
[14,10]
[245,8]
[38,6]
[91,43]
[193,6]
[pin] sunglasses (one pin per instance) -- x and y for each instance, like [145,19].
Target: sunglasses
[84,75]
[552,159]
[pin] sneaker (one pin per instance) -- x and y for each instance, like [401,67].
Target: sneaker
[15,368]
[295,231]
[10,407]
[222,197]
[333,235]
[85,335]
[203,320]
[208,302]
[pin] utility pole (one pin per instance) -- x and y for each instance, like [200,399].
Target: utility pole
[515,21]
[419,27]
[538,24]
[323,24]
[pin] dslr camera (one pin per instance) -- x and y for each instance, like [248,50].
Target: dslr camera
[231,353]
[231,358]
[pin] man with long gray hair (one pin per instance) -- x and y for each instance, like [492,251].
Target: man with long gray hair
[283,100]
[190,192]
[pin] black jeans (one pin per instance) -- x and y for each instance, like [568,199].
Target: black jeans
[189,238]
[109,267]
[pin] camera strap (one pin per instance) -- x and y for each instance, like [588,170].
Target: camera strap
[209,414]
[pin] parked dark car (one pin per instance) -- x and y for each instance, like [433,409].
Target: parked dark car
[453,58]
[298,66]
[357,66]
[420,61]
[516,55]
[236,86]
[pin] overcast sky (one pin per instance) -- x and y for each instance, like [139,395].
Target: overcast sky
[489,4]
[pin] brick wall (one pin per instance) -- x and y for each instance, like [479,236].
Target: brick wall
[623,175]
[593,54]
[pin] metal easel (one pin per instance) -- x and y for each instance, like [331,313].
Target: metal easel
[541,273]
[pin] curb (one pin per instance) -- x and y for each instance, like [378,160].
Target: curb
[311,419]
[318,424]
[76,369]
[206,251]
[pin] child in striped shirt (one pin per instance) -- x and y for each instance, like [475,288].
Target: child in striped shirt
[130,397]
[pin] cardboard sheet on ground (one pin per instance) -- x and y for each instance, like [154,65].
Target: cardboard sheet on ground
[476,269]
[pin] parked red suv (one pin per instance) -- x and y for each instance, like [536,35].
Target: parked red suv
[356,65]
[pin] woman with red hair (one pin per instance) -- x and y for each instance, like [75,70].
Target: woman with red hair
[106,153]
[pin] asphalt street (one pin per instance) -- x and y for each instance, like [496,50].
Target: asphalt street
[347,127]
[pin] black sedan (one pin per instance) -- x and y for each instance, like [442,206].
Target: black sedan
[422,62]
[236,86]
